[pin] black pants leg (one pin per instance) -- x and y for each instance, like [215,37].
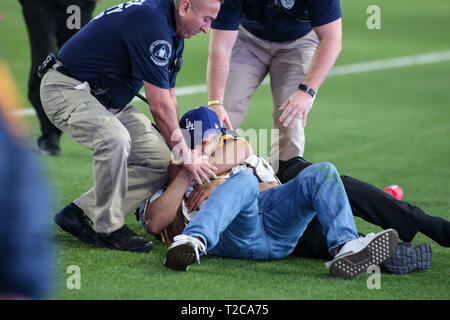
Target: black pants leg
[372,205]
[377,207]
[41,24]
[47,32]
[86,10]
[381,209]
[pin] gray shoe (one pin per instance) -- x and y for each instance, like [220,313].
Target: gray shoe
[407,258]
[359,254]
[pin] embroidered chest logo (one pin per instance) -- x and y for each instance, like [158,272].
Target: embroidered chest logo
[160,52]
[287,4]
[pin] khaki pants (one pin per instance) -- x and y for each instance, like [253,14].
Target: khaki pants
[288,63]
[130,158]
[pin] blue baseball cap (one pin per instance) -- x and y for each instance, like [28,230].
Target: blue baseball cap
[199,122]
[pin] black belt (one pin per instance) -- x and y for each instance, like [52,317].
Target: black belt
[65,72]
[50,62]
[99,93]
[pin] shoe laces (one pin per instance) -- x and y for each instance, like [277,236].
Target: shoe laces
[363,241]
[352,246]
[197,244]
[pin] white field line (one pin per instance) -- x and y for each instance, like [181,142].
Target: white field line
[353,68]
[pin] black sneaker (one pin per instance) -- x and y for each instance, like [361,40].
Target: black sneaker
[408,257]
[183,252]
[49,145]
[124,239]
[74,221]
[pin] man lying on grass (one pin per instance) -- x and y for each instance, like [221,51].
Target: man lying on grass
[366,201]
[252,216]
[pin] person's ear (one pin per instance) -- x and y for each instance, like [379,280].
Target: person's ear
[185,6]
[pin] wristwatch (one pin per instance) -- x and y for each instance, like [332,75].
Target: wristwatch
[307,89]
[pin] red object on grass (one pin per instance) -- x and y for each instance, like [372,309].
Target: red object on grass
[395,191]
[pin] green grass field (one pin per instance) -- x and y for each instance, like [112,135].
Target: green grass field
[385,127]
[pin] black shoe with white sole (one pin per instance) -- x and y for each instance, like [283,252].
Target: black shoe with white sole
[183,252]
[359,254]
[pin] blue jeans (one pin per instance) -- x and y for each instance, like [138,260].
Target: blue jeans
[238,221]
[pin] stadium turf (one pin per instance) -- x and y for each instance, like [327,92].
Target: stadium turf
[390,126]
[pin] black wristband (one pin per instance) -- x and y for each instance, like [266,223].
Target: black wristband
[307,89]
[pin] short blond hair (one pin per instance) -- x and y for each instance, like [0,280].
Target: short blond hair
[177,2]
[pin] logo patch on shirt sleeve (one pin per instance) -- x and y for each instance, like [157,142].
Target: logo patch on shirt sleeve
[160,52]
[287,4]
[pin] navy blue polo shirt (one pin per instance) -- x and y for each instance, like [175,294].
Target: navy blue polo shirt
[124,45]
[290,21]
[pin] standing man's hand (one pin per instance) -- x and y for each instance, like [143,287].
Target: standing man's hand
[299,103]
[164,108]
[222,115]
[295,107]
[199,167]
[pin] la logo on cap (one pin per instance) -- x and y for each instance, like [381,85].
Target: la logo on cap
[189,125]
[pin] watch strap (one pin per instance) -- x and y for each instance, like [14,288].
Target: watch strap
[307,89]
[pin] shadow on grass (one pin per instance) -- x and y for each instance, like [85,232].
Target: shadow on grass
[212,266]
